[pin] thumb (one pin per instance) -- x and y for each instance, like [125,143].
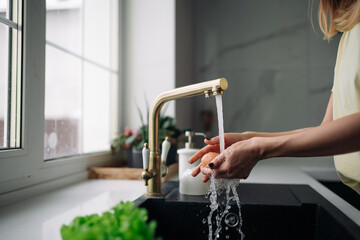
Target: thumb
[216,162]
[212,141]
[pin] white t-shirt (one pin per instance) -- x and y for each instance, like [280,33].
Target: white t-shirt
[346,100]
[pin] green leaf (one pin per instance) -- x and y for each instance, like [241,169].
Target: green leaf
[131,139]
[123,222]
[140,114]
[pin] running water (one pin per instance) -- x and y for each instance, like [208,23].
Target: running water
[218,185]
[220,114]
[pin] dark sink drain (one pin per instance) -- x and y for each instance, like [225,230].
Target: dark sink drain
[231,220]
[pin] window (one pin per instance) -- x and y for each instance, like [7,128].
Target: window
[81,71]
[10,74]
[69,76]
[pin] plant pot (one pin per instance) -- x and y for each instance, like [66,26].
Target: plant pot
[128,154]
[137,161]
[172,155]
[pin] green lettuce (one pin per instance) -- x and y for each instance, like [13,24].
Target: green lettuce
[122,222]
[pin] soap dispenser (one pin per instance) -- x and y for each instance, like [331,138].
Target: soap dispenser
[190,185]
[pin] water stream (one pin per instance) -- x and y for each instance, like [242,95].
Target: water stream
[222,186]
[220,114]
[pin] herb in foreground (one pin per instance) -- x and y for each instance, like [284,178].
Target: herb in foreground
[123,221]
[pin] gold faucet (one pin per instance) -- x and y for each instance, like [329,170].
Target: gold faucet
[152,173]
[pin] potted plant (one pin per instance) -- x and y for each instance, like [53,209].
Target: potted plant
[132,141]
[127,141]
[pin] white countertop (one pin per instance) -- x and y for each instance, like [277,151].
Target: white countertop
[41,217]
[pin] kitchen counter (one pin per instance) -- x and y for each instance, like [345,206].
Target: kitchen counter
[41,217]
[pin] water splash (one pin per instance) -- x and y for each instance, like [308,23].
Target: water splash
[213,204]
[219,186]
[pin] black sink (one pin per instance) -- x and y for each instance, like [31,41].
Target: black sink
[269,211]
[345,192]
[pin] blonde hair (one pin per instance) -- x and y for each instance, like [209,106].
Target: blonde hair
[338,16]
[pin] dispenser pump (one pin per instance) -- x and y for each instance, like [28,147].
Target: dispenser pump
[189,144]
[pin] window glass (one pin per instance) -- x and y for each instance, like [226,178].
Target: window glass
[96,108]
[64,25]
[3,8]
[10,75]
[96,30]
[10,10]
[62,103]
[79,56]
[4,79]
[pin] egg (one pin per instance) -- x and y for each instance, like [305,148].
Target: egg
[207,158]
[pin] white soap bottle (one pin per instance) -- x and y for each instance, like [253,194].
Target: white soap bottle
[190,185]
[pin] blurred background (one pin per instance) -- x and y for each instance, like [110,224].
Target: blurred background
[279,69]
[107,60]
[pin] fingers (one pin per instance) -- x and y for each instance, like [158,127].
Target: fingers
[224,171]
[221,172]
[205,179]
[218,174]
[216,162]
[212,141]
[224,174]
[203,151]
[229,138]
[206,171]
[196,171]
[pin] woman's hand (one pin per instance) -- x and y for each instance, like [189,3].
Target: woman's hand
[335,137]
[236,161]
[214,146]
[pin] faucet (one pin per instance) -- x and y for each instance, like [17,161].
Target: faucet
[154,164]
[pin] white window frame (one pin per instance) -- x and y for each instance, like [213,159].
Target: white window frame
[25,167]
[12,118]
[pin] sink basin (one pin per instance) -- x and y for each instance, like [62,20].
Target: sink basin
[269,211]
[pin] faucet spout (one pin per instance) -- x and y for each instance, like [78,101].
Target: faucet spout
[209,88]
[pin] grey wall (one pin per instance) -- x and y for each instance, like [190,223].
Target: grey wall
[279,70]
[185,59]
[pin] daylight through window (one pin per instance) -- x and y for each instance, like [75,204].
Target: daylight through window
[81,74]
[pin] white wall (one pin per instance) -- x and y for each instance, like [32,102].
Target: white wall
[149,55]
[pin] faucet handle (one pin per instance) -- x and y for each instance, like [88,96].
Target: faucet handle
[147,174]
[165,149]
[146,156]
[164,153]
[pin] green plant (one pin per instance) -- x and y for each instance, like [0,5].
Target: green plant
[127,139]
[123,221]
[137,138]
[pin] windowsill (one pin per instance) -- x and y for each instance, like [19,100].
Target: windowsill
[52,175]
[41,217]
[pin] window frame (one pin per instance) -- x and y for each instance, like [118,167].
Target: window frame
[25,166]
[13,116]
